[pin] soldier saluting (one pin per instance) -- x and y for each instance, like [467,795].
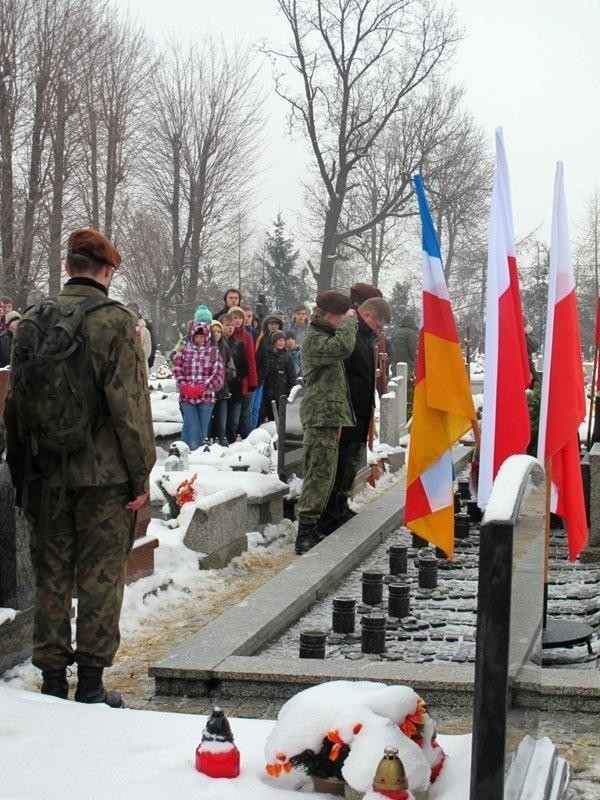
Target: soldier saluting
[80,450]
[325,408]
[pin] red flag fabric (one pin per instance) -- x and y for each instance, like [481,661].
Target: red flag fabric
[562,406]
[505,423]
[598,323]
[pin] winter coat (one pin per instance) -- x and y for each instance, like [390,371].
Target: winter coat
[405,343]
[298,330]
[240,362]
[263,342]
[123,449]
[360,370]
[6,340]
[227,360]
[199,364]
[250,379]
[278,373]
[326,401]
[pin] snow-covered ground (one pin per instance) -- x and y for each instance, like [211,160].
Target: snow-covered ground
[51,749]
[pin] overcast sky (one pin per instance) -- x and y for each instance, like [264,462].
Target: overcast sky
[532,66]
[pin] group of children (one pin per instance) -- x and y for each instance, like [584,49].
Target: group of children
[222,370]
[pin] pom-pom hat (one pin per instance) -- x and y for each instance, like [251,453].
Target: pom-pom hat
[202,314]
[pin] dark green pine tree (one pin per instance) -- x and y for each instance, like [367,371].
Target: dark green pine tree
[286,285]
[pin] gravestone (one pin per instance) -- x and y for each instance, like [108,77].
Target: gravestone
[218,527]
[140,563]
[389,429]
[592,551]
[402,381]
[509,760]
[16,572]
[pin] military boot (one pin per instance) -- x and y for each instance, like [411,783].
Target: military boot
[90,688]
[306,537]
[54,682]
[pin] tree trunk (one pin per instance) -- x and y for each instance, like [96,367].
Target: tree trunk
[192,289]
[56,214]
[111,174]
[94,169]
[8,282]
[329,250]
[34,190]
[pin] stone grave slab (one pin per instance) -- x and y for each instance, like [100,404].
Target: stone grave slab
[218,527]
[509,758]
[140,563]
[16,576]
[265,510]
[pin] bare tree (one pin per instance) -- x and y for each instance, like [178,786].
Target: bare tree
[418,139]
[587,268]
[357,62]
[118,67]
[201,156]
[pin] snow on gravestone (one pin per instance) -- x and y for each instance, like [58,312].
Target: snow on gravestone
[508,758]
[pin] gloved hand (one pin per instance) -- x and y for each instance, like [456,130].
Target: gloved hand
[192,391]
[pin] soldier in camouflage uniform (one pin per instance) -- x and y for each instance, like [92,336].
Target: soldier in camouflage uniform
[373,315]
[325,406]
[86,543]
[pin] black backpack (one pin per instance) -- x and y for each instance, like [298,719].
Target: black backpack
[57,402]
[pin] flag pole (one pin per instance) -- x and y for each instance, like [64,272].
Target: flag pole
[592,396]
[548,470]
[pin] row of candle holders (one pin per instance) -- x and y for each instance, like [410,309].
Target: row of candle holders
[373,629]
[373,626]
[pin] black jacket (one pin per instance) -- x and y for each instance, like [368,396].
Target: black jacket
[6,340]
[225,352]
[263,344]
[278,372]
[237,354]
[360,370]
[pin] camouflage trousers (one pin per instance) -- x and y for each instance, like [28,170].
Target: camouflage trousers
[84,549]
[320,461]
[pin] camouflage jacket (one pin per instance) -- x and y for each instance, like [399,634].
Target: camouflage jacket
[326,401]
[124,450]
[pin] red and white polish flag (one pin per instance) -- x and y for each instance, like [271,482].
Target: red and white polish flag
[562,407]
[505,429]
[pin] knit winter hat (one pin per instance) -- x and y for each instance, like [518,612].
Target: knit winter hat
[363,291]
[277,335]
[333,302]
[92,244]
[236,311]
[202,314]
[11,316]
[216,324]
[290,335]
